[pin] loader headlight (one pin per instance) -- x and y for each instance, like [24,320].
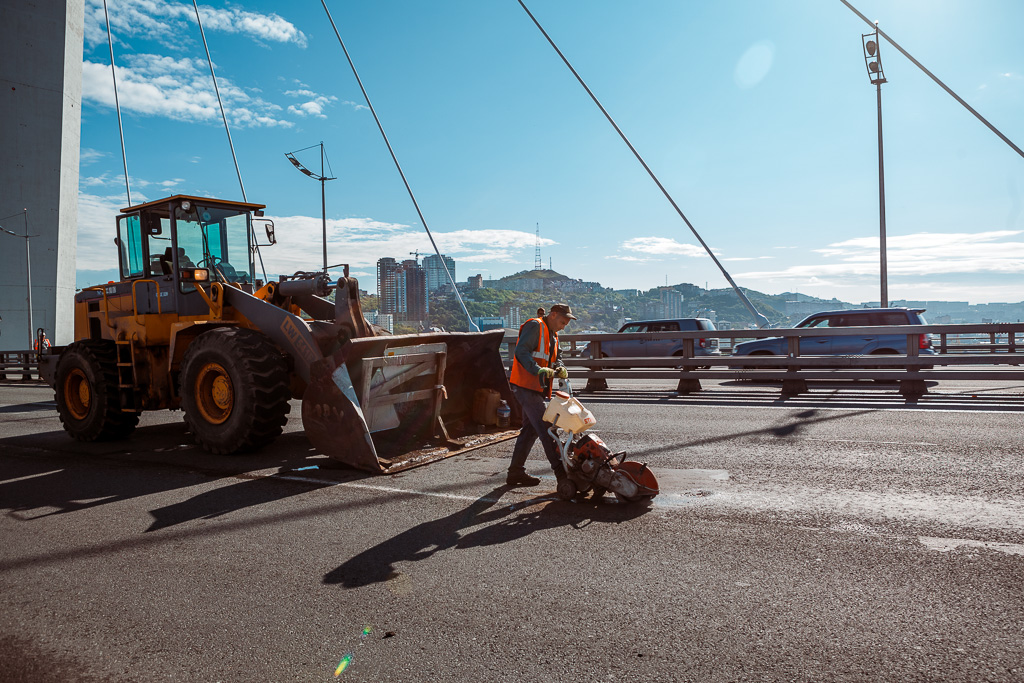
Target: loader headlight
[195,274]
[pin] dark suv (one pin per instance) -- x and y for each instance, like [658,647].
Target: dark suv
[853,345]
[630,348]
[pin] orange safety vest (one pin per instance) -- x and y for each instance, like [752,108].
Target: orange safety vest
[544,356]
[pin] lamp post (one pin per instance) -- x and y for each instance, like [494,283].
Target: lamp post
[28,273]
[873,62]
[323,180]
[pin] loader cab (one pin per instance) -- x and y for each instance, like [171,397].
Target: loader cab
[183,241]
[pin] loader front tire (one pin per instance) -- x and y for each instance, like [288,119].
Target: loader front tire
[86,393]
[234,390]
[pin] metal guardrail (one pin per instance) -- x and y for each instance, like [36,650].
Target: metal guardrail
[986,352]
[21,365]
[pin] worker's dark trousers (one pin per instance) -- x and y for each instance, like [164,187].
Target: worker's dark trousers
[533,405]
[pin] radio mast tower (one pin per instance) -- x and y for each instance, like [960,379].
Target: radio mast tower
[537,263]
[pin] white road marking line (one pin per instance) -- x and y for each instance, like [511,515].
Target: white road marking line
[882,443]
[29,476]
[945,545]
[853,405]
[385,489]
[670,500]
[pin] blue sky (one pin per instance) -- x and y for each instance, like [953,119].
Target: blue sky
[757,116]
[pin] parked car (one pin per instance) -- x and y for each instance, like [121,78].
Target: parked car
[852,345]
[628,348]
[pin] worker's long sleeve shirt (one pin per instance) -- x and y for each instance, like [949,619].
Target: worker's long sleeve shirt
[529,335]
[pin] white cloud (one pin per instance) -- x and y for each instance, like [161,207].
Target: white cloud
[117,182]
[360,242]
[314,104]
[747,258]
[180,89]
[87,156]
[631,259]
[169,22]
[96,230]
[662,246]
[917,255]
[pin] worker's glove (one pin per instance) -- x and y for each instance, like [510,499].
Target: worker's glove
[561,373]
[545,374]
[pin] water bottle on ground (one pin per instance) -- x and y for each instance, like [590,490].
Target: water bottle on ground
[504,415]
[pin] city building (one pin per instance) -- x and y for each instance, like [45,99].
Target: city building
[512,315]
[476,281]
[417,303]
[434,265]
[520,285]
[387,284]
[402,289]
[385,320]
[489,322]
[671,303]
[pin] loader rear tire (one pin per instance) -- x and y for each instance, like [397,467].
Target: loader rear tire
[234,390]
[86,393]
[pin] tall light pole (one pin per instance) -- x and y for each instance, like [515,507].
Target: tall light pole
[873,61]
[28,274]
[323,180]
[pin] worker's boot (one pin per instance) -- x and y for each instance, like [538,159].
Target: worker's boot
[521,479]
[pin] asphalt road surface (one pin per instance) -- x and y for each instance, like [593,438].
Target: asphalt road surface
[843,535]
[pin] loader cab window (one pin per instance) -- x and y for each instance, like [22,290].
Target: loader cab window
[130,245]
[216,239]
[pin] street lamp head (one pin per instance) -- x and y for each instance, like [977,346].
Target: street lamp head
[873,57]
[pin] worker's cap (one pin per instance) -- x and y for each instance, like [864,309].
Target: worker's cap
[564,310]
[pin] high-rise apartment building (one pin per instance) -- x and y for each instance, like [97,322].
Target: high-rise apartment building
[387,285]
[417,304]
[402,289]
[512,315]
[434,267]
[671,303]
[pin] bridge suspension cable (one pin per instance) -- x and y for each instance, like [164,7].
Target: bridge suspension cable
[472,325]
[762,321]
[935,78]
[216,89]
[117,105]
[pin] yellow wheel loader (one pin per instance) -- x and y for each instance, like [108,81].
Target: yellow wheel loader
[188,326]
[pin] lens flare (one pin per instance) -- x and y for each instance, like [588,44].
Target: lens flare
[343,664]
[367,630]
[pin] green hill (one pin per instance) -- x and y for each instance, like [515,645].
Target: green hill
[536,275]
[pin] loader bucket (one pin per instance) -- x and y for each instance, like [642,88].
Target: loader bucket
[385,404]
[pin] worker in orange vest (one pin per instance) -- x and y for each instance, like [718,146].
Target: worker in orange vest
[536,363]
[46,344]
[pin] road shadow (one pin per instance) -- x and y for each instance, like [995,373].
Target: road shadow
[48,474]
[793,424]
[33,407]
[498,523]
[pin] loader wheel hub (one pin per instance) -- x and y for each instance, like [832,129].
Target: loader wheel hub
[77,394]
[214,393]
